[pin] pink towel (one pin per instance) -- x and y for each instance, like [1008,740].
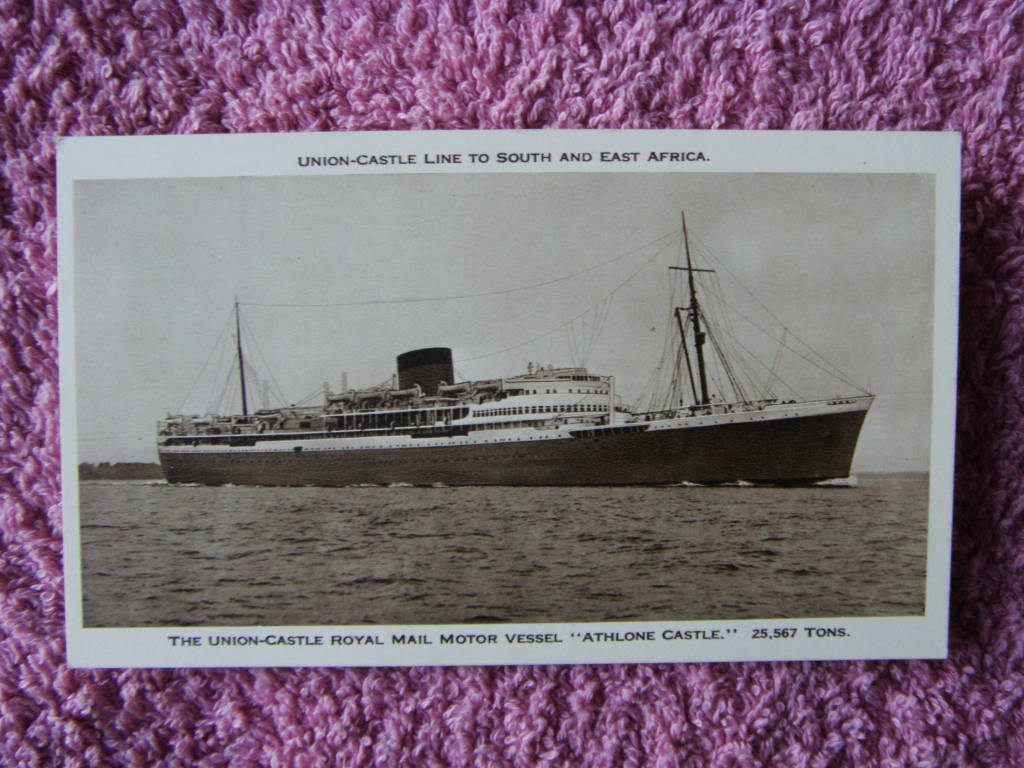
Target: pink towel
[155,66]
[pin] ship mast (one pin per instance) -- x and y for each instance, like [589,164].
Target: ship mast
[241,360]
[694,312]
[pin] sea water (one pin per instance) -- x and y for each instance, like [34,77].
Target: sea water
[162,555]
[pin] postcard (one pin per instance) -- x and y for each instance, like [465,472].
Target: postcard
[507,397]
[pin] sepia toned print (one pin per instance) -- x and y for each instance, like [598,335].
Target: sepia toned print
[546,399]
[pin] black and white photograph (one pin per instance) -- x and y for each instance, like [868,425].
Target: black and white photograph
[555,393]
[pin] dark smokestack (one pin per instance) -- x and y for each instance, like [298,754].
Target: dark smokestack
[426,367]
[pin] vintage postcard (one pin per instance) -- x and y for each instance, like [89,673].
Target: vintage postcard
[508,397]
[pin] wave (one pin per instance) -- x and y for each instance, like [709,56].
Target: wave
[839,482]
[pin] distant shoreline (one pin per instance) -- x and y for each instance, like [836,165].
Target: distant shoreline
[128,470]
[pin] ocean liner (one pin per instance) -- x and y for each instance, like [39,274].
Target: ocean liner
[545,426]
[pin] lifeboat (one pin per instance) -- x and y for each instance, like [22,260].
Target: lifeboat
[370,395]
[414,391]
[454,389]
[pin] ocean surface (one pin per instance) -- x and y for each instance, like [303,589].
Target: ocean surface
[160,555]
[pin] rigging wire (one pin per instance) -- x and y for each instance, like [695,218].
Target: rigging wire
[747,356]
[656,386]
[209,357]
[722,336]
[675,392]
[250,337]
[601,321]
[775,366]
[685,347]
[256,382]
[835,371]
[225,397]
[831,370]
[661,389]
[582,335]
[615,290]
[671,393]
[675,351]
[716,386]
[722,333]
[457,297]
[570,338]
[225,400]
[725,329]
[318,392]
[723,359]
[757,360]
[728,337]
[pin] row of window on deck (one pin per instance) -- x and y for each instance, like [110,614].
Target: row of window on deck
[579,408]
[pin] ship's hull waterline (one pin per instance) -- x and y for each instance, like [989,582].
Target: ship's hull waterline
[795,450]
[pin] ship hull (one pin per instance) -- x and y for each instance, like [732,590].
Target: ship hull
[796,450]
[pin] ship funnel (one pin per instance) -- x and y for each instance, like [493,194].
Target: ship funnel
[427,367]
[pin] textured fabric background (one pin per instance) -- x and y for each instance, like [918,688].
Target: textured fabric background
[155,66]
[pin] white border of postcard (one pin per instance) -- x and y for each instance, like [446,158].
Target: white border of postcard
[657,641]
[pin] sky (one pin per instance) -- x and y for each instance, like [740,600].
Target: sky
[843,260]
